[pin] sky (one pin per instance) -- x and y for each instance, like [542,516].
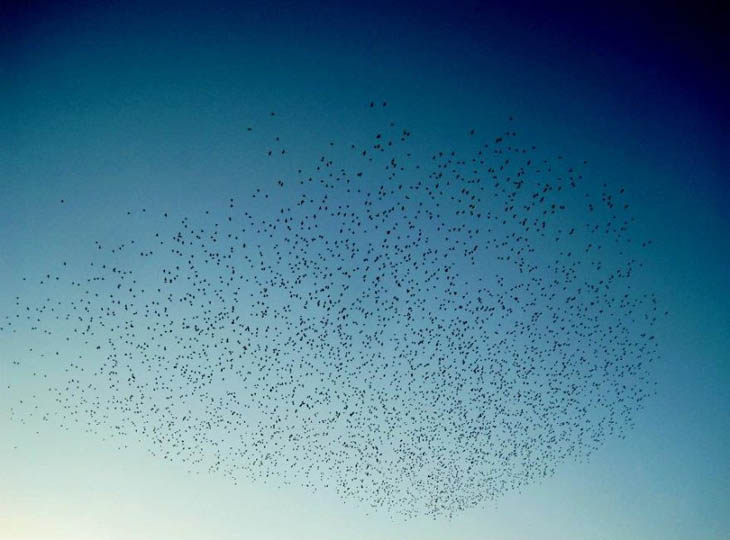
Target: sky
[123,106]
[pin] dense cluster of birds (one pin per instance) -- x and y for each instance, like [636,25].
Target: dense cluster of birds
[417,335]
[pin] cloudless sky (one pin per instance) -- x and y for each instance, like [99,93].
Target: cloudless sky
[123,105]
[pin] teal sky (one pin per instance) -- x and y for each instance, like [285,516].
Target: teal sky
[118,109]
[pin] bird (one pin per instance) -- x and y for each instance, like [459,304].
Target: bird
[421,336]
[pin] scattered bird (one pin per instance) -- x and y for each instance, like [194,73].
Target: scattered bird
[420,336]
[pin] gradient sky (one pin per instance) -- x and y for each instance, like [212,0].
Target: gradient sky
[118,106]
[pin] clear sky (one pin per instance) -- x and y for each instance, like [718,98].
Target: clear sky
[116,109]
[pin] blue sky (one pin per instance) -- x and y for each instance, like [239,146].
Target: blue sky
[126,107]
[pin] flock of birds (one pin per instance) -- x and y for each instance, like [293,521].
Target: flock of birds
[419,336]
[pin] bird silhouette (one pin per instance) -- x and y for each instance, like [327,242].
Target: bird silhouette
[421,336]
